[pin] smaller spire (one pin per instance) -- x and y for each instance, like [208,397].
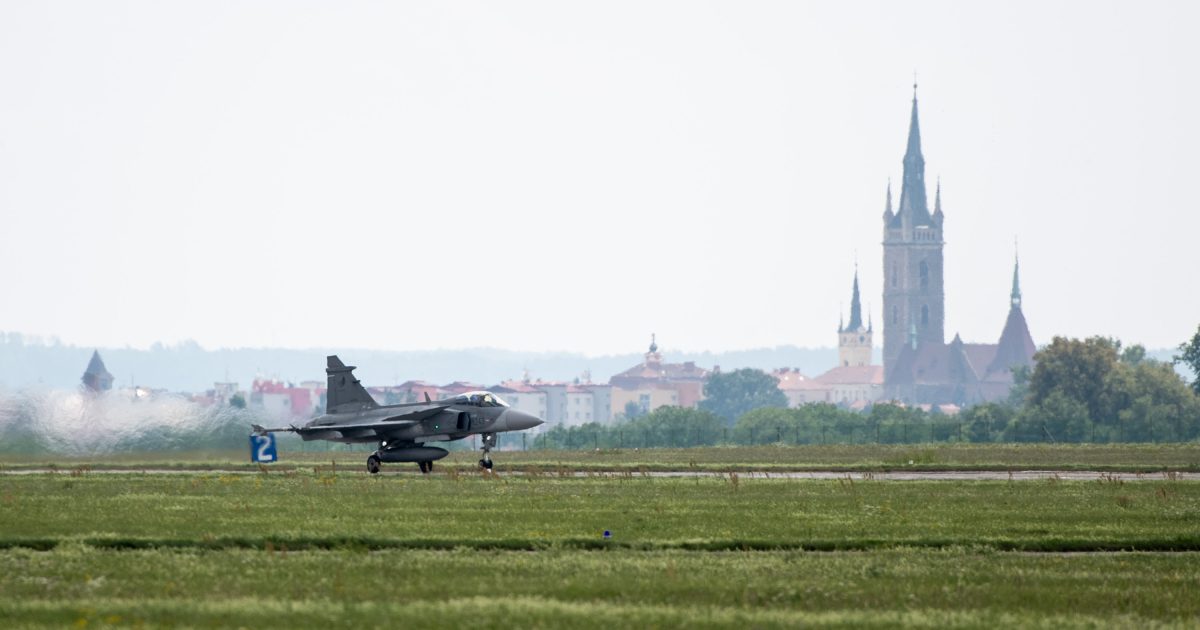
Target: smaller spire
[870,319]
[1016,287]
[937,199]
[855,305]
[653,344]
[888,214]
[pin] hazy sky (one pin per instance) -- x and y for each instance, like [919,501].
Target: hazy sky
[574,176]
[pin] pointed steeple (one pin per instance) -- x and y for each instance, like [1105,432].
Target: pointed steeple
[888,215]
[937,202]
[1016,347]
[870,320]
[855,305]
[1016,288]
[913,202]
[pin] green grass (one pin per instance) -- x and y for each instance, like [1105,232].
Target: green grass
[861,457]
[956,587]
[533,512]
[306,548]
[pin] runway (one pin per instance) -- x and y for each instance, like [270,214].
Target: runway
[940,475]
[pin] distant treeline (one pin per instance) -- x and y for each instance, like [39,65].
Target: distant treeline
[1091,390]
[187,367]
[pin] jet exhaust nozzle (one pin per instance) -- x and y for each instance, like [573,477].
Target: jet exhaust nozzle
[412,454]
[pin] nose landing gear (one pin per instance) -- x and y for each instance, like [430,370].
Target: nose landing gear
[489,442]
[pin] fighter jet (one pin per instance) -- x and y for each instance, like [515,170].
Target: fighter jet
[404,431]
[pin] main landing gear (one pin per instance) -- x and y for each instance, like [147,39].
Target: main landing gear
[426,467]
[373,464]
[489,442]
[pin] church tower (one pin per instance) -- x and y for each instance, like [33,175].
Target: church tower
[854,339]
[913,294]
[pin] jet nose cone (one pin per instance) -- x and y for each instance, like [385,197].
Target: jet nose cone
[515,420]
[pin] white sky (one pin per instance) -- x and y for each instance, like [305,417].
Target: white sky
[573,176]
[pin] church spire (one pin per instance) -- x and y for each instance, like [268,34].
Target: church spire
[1016,344]
[1016,288]
[913,202]
[888,215]
[855,306]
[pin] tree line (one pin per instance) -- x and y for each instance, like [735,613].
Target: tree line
[1080,390]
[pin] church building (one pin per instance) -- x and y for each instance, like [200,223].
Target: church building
[919,366]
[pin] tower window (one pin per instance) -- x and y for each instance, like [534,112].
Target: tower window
[924,315]
[924,275]
[895,315]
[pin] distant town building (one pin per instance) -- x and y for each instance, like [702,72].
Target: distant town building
[285,401]
[799,389]
[919,367]
[461,387]
[96,377]
[523,396]
[653,384]
[416,391]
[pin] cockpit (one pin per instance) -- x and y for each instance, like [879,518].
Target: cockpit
[479,399]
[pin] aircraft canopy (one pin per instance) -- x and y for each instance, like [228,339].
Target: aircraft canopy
[480,399]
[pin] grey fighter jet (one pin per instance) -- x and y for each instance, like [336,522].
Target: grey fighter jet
[404,431]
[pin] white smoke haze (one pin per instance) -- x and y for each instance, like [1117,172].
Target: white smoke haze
[76,422]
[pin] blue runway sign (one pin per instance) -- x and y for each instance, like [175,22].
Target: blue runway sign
[262,448]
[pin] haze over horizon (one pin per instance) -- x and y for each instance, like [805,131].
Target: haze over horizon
[547,177]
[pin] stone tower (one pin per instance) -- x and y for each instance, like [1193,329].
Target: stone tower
[854,339]
[913,295]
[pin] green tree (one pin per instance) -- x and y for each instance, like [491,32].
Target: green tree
[1189,355]
[632,410]
[237,401]
[675,427]
[1133,355]
[731,394]
[1077,370]
[985,422]
[1019,391]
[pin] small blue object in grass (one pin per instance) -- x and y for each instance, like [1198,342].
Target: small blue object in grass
[607,534]
[262,448]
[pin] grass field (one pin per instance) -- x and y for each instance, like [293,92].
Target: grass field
[861,457]
[350,550]
[602,589]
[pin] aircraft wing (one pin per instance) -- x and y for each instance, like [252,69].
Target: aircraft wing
[379,427]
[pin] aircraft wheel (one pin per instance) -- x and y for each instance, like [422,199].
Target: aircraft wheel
[430,466]
[425,467]
[373,464]
[485,463]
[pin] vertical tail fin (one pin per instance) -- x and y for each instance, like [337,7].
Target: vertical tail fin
[344,393]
